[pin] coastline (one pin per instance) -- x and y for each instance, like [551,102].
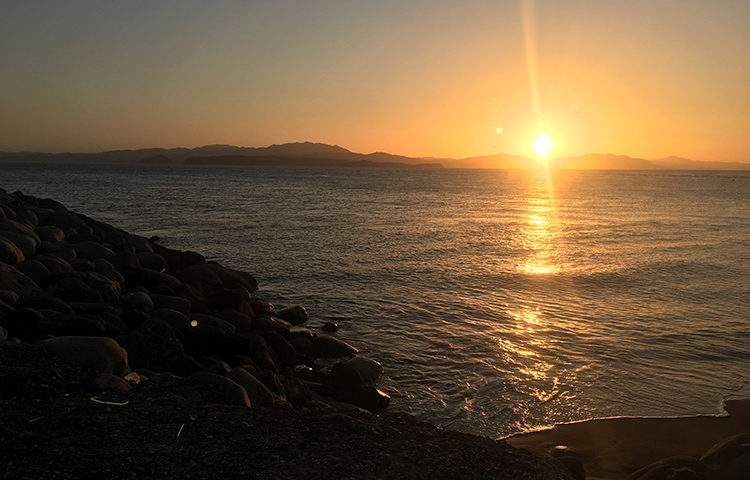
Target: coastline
[76,277]
[617,447]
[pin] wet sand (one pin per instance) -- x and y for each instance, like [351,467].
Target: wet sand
[616,447]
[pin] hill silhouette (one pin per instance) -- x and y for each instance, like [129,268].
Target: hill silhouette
[322,154]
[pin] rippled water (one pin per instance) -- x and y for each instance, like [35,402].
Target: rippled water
[498,301]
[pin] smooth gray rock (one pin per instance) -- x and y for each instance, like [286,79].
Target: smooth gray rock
[329,347]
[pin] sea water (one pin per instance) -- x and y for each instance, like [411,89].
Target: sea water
[498,301]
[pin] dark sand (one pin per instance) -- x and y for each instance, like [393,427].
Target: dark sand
[616,447]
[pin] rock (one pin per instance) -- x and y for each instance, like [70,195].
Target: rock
[573,465]
[296,315]
[303,347]
[105,268]
[673,468]
[297,393]
[49,233]
[242,322]
[9,252]
[35,270]
[267,322]
[283,349]
[730,458]
[172,302]
[56,266]
[26,215]
[23,241]
[259,394]
[329,347]
[260,307]
[9,297]
[255,347]
[15,281]
[106,382]
[330,327]
[125,259]
[97,353]
[174,318]
[344,377]
[154,345]
[72,325]
[215,388]
[140,244]
[368,369]
[367,397]
[181,260]
[91,250]
[138,301]
[63,250]
[82,265]
[44,302]
[150,279]
[152,261]
[204,319]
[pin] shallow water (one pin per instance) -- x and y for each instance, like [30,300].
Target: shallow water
[498,301]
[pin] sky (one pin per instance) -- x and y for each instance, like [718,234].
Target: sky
[430,78]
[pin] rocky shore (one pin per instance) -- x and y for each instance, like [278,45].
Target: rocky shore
[120,358]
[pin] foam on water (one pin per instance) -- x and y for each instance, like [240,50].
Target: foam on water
[498,301]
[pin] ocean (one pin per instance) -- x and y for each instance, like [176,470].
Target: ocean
[498,301]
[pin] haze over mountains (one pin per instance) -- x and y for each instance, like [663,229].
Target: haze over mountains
[321,154]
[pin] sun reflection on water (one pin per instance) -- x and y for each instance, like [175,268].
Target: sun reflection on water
[539,231]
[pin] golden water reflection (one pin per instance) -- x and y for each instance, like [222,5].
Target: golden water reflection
[539,231]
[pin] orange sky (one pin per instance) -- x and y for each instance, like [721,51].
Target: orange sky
[433,78]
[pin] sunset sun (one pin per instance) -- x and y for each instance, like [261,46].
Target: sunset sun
[542,145]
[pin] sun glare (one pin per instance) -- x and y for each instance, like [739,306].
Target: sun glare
[542,145]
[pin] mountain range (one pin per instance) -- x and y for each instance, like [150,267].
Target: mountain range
[321,154]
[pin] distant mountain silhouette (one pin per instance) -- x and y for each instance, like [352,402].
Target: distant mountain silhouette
[322,154]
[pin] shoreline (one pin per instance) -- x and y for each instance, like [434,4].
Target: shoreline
[617,447]
[166,326]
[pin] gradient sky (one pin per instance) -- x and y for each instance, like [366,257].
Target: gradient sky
[423,78]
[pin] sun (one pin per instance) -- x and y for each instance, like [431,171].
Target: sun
[543,145]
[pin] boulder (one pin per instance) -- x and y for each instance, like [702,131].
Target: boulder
[97,353]
[730,458]
[72,325]
[242,322]
[215,388]
[152,261]
[105,268]
[45,302]
[154,345]
[15,281]
[284,350]
[329,347]
[273,324]
[50,233]
[22,323]
[176,319]
[330,327]
[106,382]
[368,369]
[367,397]
[180,304]
[56,266]
[260,395]
[673,468]
[35,270]
[296,315]
[138,301]
[297,393]
[23,241]
[91,250]
[9,252]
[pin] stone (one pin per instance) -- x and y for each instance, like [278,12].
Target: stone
[9,297]
[9,252]
[138,301]
[367,397]
[35,270]
[105,268]
[370,370]
[154,345]
[297,393]
[180,304]
[174,318]
[284,350]
[330,327]
[205,319]
[260,307]
[729,459]
[267,322]
[101,354]
[303,348]
[296,315]
[72,325]
[151,278]
[82,265]
[673,468]
[23,241]
[15,281]
[26,215]
[259,394]
[329,347]
[152,261]
[22,323]
[64,251]
[242,322]
[50,233]
[56,266]
[215,388]
[91,250]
